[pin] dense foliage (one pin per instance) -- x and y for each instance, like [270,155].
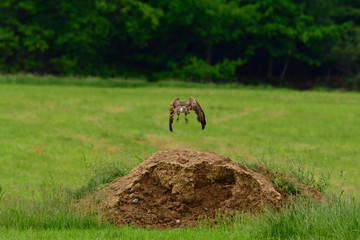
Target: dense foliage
[288,42]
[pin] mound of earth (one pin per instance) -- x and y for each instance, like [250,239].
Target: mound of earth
[176,188]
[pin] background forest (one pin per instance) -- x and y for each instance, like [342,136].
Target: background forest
[295,43]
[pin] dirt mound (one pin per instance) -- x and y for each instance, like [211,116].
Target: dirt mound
[175,188]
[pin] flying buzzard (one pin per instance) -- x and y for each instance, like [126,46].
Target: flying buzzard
[183,107]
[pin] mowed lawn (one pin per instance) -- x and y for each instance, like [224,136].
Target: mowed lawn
[49,132]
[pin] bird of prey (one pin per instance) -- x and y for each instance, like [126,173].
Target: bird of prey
[178,107]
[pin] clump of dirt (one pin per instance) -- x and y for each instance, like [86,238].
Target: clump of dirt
[176,188]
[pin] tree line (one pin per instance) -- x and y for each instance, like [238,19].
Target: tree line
[301,43]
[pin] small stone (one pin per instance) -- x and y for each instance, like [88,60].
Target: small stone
[136,200]
[178,221]
[206,209]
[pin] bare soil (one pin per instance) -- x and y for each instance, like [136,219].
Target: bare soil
[176,188]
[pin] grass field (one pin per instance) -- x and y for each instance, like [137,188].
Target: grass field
[51,132]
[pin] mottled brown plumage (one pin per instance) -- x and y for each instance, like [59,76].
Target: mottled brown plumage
[178,107]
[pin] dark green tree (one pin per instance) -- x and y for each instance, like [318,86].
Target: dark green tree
[201,40]
[201,26]
[287,31]
[23,40]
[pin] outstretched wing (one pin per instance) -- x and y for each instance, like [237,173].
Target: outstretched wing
[173,105]
[195,106]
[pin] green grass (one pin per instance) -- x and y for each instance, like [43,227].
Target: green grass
[337,219]
[334,219]
[108,82]
[126,233]
[51,134]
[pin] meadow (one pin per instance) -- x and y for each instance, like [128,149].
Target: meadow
[55,133]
